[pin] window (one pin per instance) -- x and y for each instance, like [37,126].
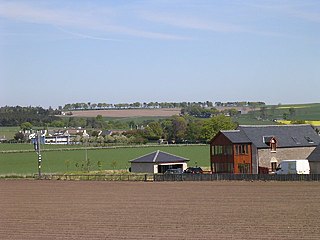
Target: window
[242,149]
[309,139]
[273,145]
[244,167]
[296,140]
[222,150]
[223,167]
[274,166]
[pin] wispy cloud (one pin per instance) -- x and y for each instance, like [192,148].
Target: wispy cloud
[189,22]
[308,11]
[79,19]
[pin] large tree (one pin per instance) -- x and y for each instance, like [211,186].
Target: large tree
[179,127]
[213,125]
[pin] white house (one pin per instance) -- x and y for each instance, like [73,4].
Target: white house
[158,162]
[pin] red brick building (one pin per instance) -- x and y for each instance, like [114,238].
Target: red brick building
[259,149]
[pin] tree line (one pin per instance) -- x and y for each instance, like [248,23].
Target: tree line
[177,129]
[205,104]
[38,116]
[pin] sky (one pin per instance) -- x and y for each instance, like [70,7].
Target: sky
[54,52]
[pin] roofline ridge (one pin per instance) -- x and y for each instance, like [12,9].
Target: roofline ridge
[155,156]
[142,156]
[174,155]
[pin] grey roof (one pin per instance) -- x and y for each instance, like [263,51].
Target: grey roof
[159,157]
[315,155]
[286,135]
[236,136]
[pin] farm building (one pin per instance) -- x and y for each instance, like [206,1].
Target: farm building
[157,162]
[259,149]
[314,160]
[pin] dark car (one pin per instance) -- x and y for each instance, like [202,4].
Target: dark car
[194,170]
[174,171]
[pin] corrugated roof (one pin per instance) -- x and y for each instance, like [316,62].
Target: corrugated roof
[286,135]
[159,157]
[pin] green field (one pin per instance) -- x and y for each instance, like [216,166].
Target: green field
[305,112]
[8,132]
[61,161]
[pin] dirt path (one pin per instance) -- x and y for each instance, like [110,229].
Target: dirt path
[162,210]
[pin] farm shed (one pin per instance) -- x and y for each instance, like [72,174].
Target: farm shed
[314,160]
[157,162]
[259,149]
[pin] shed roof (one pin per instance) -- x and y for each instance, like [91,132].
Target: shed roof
[159,157]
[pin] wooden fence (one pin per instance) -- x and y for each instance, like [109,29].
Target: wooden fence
[182,177]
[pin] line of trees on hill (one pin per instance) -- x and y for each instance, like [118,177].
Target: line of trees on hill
[205,104]
[38,116]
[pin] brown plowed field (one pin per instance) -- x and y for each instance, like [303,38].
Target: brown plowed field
[162,112]
[159,210]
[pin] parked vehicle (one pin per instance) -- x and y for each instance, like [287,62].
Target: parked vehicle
[293,167]
[194,170]
[174,171]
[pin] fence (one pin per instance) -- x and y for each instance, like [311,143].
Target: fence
[237,177]
[182,177]
[98,177]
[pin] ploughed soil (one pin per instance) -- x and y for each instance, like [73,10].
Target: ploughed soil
[161,112]
[33,209]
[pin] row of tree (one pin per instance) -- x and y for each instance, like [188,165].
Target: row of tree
[177,129]
[205,104]
[37,116]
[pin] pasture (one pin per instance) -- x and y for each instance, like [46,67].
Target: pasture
[60,160]
[8,132]
[167,210]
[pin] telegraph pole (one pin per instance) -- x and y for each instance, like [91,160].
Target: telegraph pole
[38,151]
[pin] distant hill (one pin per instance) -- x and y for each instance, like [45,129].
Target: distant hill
[275,114]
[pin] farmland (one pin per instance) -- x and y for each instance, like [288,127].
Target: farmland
[127,113]
[166,210]
[60,160]
[299,112]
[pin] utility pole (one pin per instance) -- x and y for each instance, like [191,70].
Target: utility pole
[38,151]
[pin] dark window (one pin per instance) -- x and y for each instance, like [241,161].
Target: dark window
[222,150]
[223,167]
[244,167]
[309,139]
[274,166]
[273,145]
[242,149]
[296,140]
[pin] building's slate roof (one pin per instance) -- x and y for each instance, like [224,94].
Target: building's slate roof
[236,136]
[315,155]
[159,157]
[285,135]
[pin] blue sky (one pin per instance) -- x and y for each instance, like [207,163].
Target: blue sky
[57,52]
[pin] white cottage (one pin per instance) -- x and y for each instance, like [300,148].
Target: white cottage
[158,162]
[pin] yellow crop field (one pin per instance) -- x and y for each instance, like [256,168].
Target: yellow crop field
[314,123]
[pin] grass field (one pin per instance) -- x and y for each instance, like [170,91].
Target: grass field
[8,132]
[61,161]
[305,112]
